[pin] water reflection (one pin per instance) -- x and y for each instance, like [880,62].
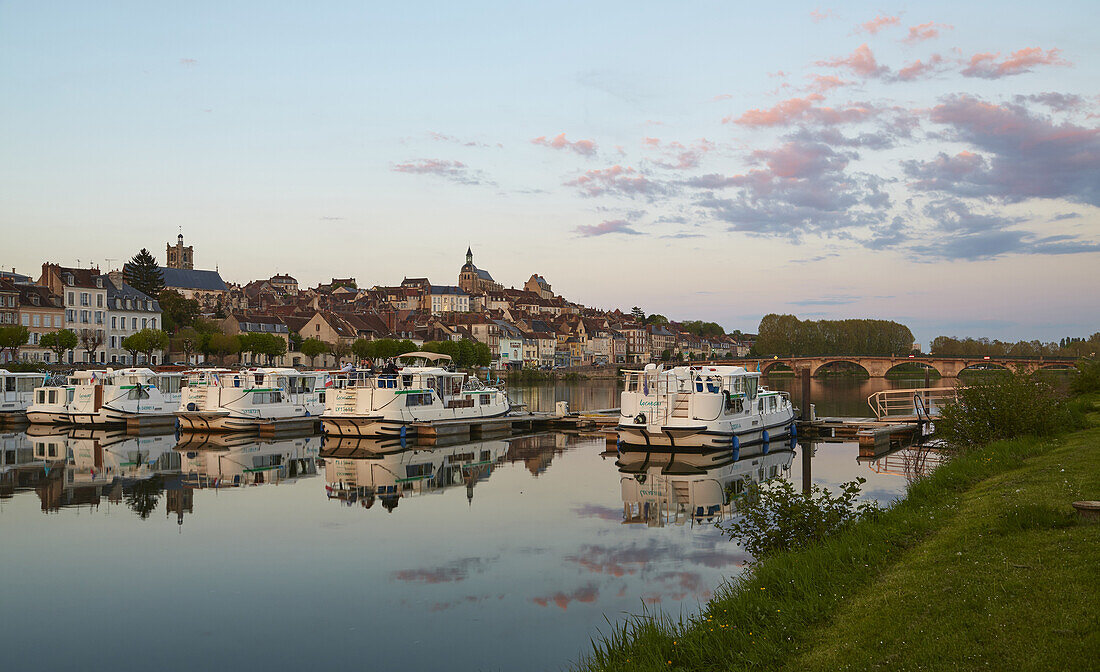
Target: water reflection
[661,487]
[364,470]
[218,460]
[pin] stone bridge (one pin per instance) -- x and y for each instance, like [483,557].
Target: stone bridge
[877,367]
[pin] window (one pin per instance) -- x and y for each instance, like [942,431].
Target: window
[36,320]
[138,392]
[153,323]
[85,299]
[418,399]
[144,323]
[485,399]
[114,322]
[133,323]
[85,317]
[99,317]
[57,321]
[41,398]
[26,320]
[99,300]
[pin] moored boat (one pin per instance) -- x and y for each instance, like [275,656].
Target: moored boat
[114,397]
[17,393]
[701,408]
[222,400]
[391,402]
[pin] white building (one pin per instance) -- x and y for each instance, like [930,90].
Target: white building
[129,312]
[84,292]
[448,299]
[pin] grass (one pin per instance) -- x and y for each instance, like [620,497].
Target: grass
[984,564]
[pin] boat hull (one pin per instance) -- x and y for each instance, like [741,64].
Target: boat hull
[702,437]
[48,417]
[379,427]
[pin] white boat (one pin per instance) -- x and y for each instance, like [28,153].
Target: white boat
[701,408]
[661,487]
[17,393]
[364,470]
[107,397]
[366,403]
[222,400]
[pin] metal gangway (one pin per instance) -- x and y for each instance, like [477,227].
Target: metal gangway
[921,403]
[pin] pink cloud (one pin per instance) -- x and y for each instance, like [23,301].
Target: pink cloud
[817,16]
[605,227]
[621,180]
[878,23]
[986,65]
[584,147]
[722,96]
[925,31]
[678,155]
[918,68]
[651,142]
[861,61]
[823,83]
[802,109]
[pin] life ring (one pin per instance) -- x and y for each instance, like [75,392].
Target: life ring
[639,419]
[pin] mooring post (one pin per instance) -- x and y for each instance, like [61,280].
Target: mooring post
[806,394]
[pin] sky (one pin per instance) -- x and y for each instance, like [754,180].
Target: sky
[933,163]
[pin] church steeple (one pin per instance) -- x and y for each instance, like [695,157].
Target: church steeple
[469,256]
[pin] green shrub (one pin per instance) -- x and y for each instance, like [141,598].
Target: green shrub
[1004,406]
[1087,378]
[776,517]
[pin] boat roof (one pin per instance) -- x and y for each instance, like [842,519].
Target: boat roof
[5,372]
[699,369]
[430,356]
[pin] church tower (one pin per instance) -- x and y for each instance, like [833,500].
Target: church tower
[179,256]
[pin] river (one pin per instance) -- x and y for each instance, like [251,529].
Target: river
[155,552]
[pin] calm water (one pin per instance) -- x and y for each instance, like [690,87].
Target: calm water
[157,553]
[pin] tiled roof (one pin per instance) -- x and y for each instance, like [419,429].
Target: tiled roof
[180,278]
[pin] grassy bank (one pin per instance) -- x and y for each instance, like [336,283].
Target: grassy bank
[984,564]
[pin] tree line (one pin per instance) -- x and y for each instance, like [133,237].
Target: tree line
[786,335]
[953,346]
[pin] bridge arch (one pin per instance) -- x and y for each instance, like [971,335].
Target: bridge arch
[919,362]
[830,361]
[768,365]
[1056,366]
[985,364]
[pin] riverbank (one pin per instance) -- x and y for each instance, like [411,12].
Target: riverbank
[984,564]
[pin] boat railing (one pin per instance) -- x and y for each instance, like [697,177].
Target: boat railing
[910,403]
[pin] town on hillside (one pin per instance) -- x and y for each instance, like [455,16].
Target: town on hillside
[144,313]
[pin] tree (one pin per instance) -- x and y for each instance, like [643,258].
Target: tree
[638,314]
[176,310]
[340,351]
[296,342]
[59,342]
[90,341]
[268,345]
[12,338]
[220,345]
[361,348]
[132,344]
[154,339]
[187,341]
[311,347]
[143,274]
[656,319]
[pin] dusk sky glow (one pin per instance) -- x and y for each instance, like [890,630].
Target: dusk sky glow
[936,163]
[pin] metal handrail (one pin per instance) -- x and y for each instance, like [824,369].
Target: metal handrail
[887,403]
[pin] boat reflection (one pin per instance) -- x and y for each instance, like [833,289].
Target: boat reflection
[366,470]
[220,460]
[662,487]
[74,466]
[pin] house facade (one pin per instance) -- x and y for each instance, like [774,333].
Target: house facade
[41,312]
[84,295]
[129,311]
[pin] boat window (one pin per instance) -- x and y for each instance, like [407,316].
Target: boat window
[69,396]
[406,381]
[51,450]
[750,386]
[53,396]
[418,399]
[259,379]
[9,384]
[138,392]
[485,398]
[42,396]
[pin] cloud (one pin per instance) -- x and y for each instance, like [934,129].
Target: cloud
[919,69]
[455,171]
[817,16]
[963,234]
[825,83]
[677,155]
[1020,155]
[722,96]
[605,227]
[925,31]
[794,110]
[861,62]
[583,147]
[1059,102]
[587,594]
[987,66]
[443,137]
[803,187]
[616,180]
[841,300]
[877,24]
[451,572]
[188,62]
